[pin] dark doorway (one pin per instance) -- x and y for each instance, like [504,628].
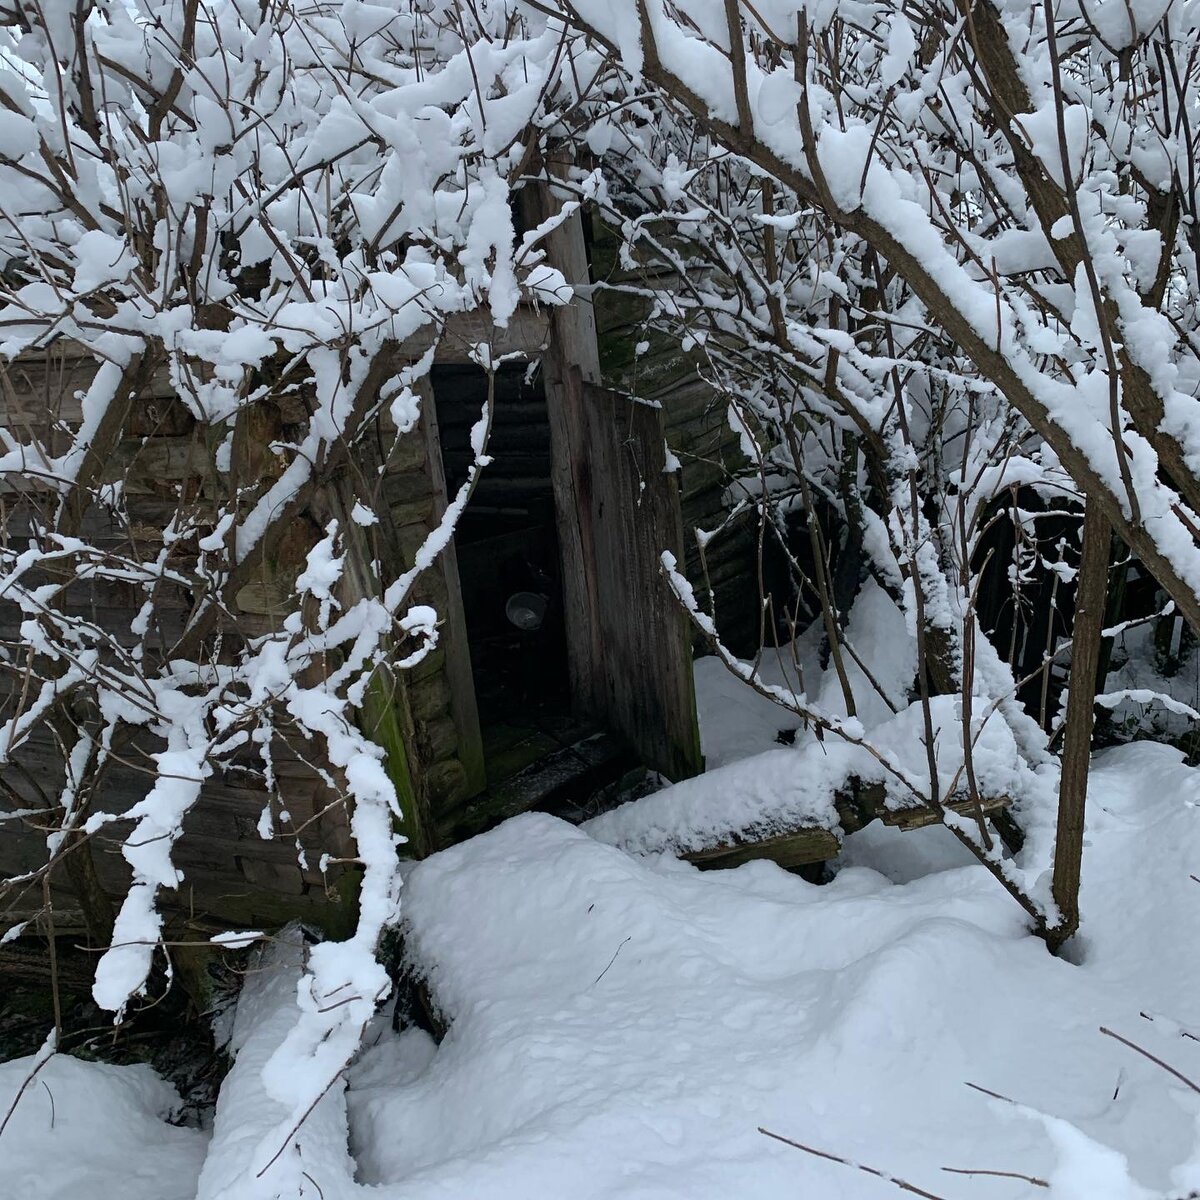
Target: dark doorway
[508,563]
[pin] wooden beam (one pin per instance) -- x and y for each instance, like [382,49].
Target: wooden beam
[527,334]
[43,386]
[571,359]
[628,643]
[793,845]
[649,693]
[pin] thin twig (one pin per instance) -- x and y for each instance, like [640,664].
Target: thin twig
[44,1056]
[1170,1070]
[998,1174]
[296,1128]
[610,963]
[902,1184]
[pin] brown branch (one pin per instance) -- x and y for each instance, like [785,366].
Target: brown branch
[902,1184]
[1087,635]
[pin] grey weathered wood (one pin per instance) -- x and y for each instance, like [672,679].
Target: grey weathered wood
[618,510]
[42,386]
[571,359]
[526,334]
[792,848]
[632,517]
[697,430]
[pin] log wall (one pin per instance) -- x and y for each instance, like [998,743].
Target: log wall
[233,874]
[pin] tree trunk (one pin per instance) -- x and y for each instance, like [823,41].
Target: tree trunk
[1090,604]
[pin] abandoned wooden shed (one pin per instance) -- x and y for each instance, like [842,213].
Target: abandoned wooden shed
[563,662]
[563,670]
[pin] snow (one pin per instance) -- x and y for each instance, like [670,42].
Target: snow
[775,791]
[259,1149]
[901,46]
[236,940]
[620,1027]
[94,1130]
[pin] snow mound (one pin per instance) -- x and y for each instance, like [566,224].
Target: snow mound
[86,1129]
[621,1027]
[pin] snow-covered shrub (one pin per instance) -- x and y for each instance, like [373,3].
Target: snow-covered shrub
[929,254]
[267,206]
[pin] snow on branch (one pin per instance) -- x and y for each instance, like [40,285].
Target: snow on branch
[232,240]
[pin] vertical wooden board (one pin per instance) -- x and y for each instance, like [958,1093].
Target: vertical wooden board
[571,358]
[646,663]
[698,433]
[618,510]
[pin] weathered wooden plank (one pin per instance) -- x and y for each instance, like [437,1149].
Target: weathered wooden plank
[408,496]
[526,333]
[45,386]
[384,716]
[437,738]
[920,816]
[445,782]
[793,848]
[793,845]
[695,424]
[649,690]
[460,682]
[628,644]
[160,460]
[571,359]
[429,697]
[42,386]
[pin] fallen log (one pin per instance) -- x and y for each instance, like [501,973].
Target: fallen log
[727,817]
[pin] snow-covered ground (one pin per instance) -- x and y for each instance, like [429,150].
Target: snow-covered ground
[622,1027]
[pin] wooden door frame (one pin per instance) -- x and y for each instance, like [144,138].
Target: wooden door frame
[574,389]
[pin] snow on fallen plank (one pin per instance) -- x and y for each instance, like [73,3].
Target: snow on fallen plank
[782,793]
[793,804]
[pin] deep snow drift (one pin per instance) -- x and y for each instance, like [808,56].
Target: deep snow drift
[621,1027]
[86,1129]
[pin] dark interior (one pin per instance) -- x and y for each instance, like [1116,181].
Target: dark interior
[507,544]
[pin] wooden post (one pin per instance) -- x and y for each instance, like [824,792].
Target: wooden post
[571,359]
[459,675]
[645,674]
[384,715]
